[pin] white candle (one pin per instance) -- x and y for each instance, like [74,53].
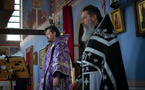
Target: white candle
[49,17]
[58,18]
[53,18]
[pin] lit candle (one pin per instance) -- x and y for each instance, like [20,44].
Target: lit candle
[49,17]
[58,18]
[53,18]
[52,14]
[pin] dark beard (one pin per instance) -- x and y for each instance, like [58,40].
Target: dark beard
[49,41]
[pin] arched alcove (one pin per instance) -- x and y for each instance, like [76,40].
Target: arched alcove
[77,33]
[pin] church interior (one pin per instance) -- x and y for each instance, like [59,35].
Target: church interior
[27,20]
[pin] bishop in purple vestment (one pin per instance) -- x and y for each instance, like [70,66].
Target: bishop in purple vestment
[56,72]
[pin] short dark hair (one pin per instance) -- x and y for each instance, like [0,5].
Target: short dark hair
[52,29]
[93,10]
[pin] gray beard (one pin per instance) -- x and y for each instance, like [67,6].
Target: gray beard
[88,31]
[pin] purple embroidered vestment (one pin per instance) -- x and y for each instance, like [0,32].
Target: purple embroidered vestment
[57,58]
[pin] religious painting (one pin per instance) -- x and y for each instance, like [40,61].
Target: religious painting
[117,20]
[41,57]
[139,14]
[35,13]
[8,49]
[35,58]
[56,5]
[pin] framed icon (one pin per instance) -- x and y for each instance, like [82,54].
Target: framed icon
[117,20]
[139,15]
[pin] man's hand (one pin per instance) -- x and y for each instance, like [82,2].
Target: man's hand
[56,82]
[75,86]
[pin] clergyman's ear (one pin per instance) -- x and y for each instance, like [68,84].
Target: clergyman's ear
[54,34]
[94,17]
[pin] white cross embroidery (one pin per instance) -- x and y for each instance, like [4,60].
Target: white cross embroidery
[95,60]
[89,54]
[104,30]
[86,81]
[102,70]
[105,87]
[83,69]
[87,68]
[84,56]
[104,77]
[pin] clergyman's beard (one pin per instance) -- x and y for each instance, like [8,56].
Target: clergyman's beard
[88,31]
[49,41]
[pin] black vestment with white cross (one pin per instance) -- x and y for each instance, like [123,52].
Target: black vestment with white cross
[101,63]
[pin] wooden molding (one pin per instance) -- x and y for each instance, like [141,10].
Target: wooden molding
[76,45]
[22,31]
[136,83]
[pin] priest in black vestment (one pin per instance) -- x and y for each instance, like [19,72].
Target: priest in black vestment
[101,63]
